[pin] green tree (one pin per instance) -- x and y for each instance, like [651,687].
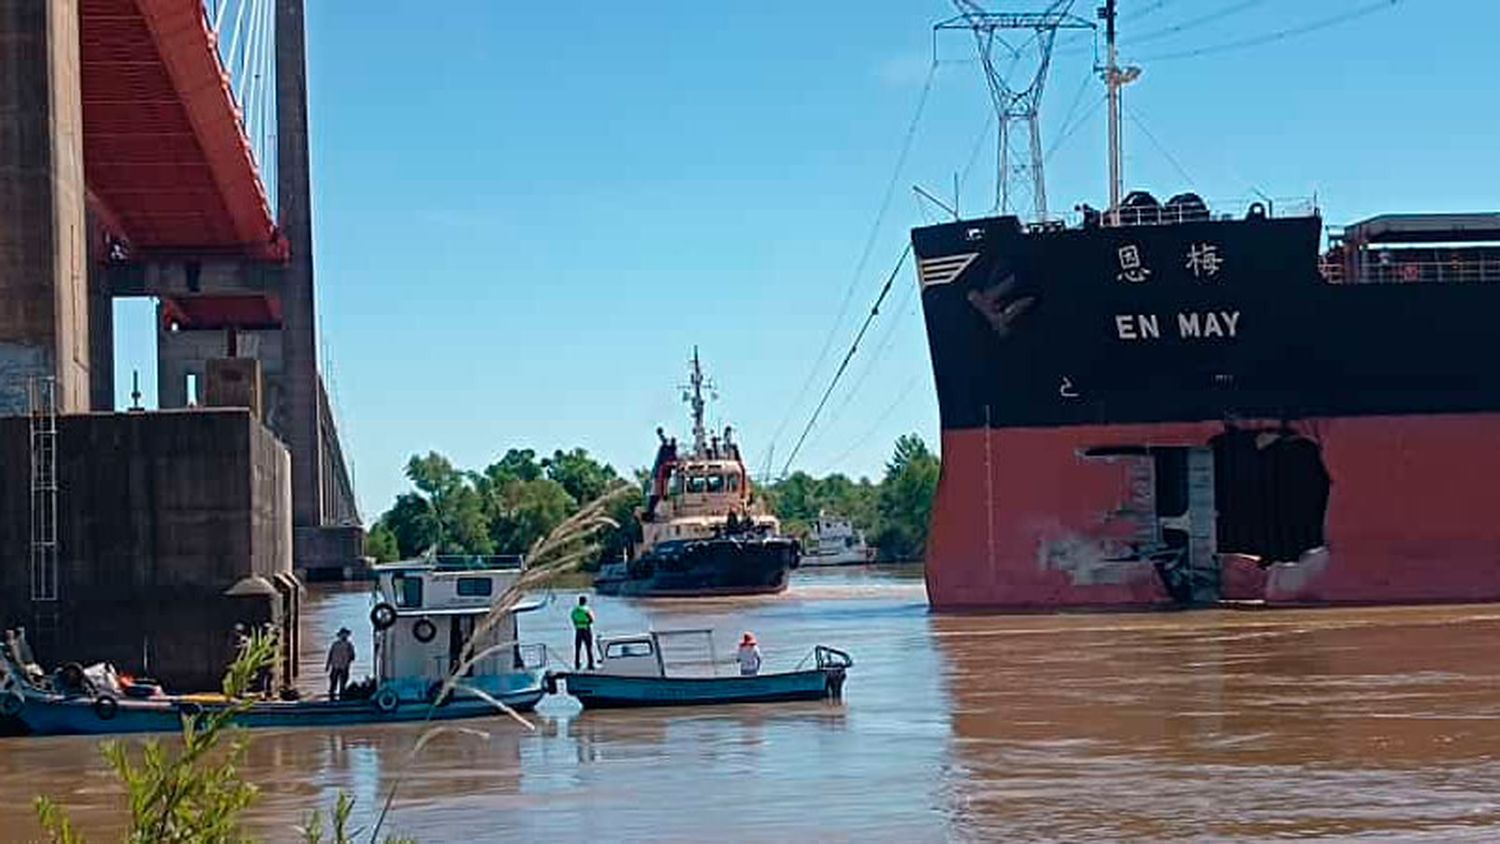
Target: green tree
[381,543]
[581,475]
[454,517]
[905,500]
[523,511]
[413,523]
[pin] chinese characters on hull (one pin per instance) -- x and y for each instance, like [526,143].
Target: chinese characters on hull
[1204,261]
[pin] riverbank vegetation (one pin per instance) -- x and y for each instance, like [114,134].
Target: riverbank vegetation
[504,507]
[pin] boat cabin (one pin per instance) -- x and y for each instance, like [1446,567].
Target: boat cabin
[426,611]
[651,654]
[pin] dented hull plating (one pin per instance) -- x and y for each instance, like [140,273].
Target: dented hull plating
[1185,415]
[1024,521]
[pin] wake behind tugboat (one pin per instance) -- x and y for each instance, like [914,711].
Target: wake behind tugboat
[703,530]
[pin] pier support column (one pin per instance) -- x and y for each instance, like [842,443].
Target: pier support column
[44,301]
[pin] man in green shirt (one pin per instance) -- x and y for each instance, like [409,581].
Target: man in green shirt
[583,633]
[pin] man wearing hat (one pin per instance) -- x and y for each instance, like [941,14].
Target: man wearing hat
[340,657]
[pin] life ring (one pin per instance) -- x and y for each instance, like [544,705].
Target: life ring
[11,704]
[382,616]
[424,630]
[386,700]
[106,707]
[1257,211]
[432,694]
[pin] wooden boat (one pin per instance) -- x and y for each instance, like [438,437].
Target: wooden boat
[413,603]
[634,674]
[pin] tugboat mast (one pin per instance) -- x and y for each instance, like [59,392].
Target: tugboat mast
[695,400]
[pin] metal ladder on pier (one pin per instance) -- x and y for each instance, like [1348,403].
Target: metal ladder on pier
[42,400]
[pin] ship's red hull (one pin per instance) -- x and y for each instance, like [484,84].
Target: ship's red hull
[1023,521]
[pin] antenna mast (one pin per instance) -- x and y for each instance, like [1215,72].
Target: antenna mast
[1014,105]
[1115,78]
[695,400]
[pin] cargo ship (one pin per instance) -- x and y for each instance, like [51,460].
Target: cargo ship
[1171,404]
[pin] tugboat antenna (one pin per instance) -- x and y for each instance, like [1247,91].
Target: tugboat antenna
[695,400]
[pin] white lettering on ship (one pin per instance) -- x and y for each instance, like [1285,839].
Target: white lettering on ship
[1191,325]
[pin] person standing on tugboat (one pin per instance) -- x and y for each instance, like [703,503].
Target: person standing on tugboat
[583,633]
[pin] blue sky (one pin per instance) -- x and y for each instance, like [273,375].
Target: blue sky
[527,215]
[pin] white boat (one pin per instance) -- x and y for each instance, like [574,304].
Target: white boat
[646,669]
[834,541]
[423,613]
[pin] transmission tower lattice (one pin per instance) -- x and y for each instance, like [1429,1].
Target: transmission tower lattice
[1017,108]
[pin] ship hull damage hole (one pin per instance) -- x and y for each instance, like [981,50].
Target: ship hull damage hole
[1271,490]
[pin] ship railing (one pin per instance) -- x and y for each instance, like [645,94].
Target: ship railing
[1476,269]
[1172,213]
[477,562]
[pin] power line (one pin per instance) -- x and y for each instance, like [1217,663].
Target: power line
[849,355]
[864,256]
[1161,148]
[1289,32]
[1193,22]
[875,427]
[1069,131]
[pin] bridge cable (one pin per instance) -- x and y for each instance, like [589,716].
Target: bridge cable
[853,347]
[864,257]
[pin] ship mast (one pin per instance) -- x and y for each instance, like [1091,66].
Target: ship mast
[695,400]
[1115,78]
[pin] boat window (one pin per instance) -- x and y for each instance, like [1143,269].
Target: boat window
[676,483]
[733,479]
[475,587]
[696,484]
[715,483]
[616,650]
[408,591]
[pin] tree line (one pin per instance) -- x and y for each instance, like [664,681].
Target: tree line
[506,506]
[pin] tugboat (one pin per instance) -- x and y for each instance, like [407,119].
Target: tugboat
[837,542]
[702,530]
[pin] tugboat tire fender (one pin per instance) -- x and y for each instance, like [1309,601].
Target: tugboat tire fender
[11,704]
[424,630]
[382,616]
[106,707]
[386,700]
[434,690]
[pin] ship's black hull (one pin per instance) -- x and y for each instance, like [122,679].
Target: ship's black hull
[1168,415]
[701,568]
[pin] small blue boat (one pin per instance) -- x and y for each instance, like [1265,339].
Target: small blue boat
[423,614]
[634,674]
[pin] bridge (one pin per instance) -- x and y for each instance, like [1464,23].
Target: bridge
[158,148]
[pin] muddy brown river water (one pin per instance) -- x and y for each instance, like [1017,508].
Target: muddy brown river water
[1369,724]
